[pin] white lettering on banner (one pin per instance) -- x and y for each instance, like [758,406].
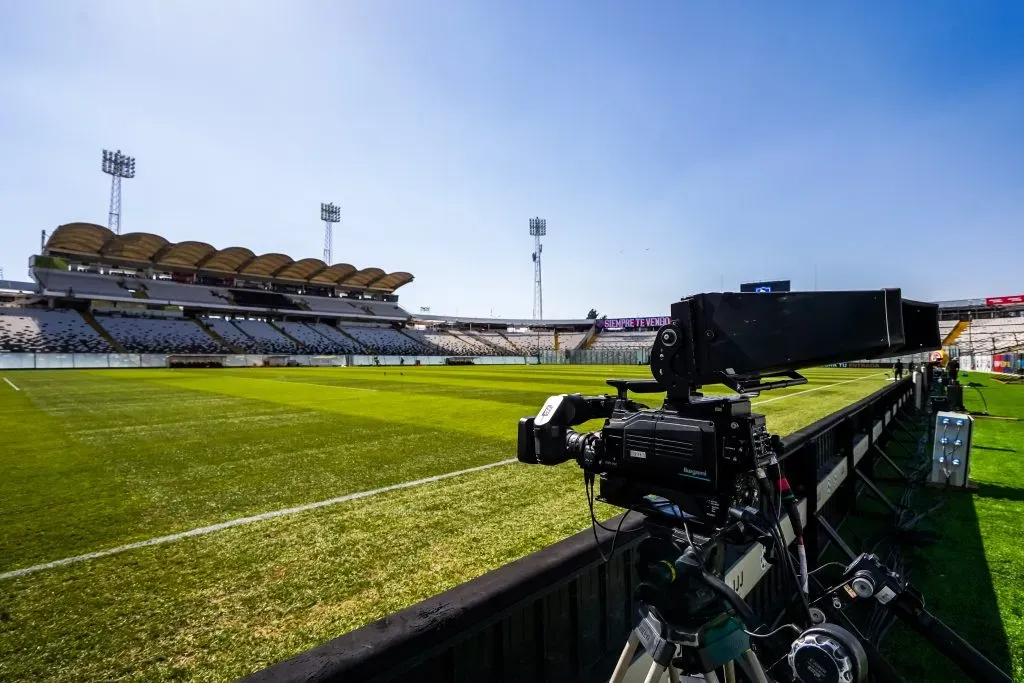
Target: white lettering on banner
[633,323]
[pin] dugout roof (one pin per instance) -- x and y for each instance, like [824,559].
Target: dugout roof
[96,244]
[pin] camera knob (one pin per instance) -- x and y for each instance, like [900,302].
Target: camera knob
[863,587]
[669,337]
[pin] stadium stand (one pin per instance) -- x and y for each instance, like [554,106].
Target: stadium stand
[159,335]
[476,347]
[498,342]
[343,343]
[311,340]
[991,335]
[168,290]
[386,340]
[452,344]
[350,307]
[26,330]
[533,342]
[227,329]
[255,299]
[624,339]
[84,284]
[266,338]
[570,340]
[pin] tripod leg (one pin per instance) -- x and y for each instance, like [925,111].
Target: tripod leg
[625,658]
[754,664]
[730,672]
[710,677]
[673,674]
[655,673]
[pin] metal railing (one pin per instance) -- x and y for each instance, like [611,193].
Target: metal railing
[561,614]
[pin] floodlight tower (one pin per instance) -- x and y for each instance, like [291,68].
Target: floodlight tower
[329,214]
[117,166]
[538,228]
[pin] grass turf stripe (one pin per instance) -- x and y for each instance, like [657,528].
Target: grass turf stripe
[201,531]
[807,391]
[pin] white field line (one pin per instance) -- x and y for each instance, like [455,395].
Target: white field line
[807,391]
[241,521]
[12,384]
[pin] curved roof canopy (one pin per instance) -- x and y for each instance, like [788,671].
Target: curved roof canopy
[98,244]
[186,255]
[364,277]
[135,247]
[266,265]
[228,260]
[301,271]
[79,238]
[334,274]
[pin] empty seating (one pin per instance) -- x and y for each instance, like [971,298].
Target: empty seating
[532,342]
[386,340]
[312,340]
[232,335]
[341,342]
[498,342]
[159,335]
[168,290]
[84,284]
[350,307]
[570,340]
[624,339]
[991,335]
[266,338]
[455,345]
[43,331]
[257,299]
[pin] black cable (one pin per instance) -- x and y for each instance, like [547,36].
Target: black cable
[588,485]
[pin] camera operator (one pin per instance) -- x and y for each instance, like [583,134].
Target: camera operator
[897,369]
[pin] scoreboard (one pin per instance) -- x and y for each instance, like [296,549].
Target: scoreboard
[767,286]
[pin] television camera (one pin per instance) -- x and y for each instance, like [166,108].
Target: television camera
[705,472]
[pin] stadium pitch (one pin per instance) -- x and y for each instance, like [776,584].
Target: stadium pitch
[97,460]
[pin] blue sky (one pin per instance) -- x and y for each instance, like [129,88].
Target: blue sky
[671,146]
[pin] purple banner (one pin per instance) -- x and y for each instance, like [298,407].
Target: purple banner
[633,323]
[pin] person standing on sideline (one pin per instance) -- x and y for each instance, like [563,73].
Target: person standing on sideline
[897,369]
[953,369]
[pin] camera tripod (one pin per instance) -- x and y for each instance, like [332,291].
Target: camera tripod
[694,623]
[663,644]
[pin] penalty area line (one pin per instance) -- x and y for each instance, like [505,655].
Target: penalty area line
[13,386]
[824,386]
[241,521]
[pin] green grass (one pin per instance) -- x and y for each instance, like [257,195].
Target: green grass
[96,459]
[973,578]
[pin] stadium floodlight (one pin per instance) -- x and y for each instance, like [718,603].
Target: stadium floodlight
[117,166]
[329,214]
[538,229]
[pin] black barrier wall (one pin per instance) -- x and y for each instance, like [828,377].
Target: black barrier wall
[562,614]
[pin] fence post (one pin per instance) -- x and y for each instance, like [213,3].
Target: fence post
[808,455]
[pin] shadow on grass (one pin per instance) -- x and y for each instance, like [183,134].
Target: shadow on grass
[996,491]
[953,574]
[992,448]
[957,584]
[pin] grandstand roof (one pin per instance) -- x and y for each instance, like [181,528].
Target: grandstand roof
[98,244]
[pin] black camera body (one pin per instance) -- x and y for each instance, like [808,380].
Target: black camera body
[701,452]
